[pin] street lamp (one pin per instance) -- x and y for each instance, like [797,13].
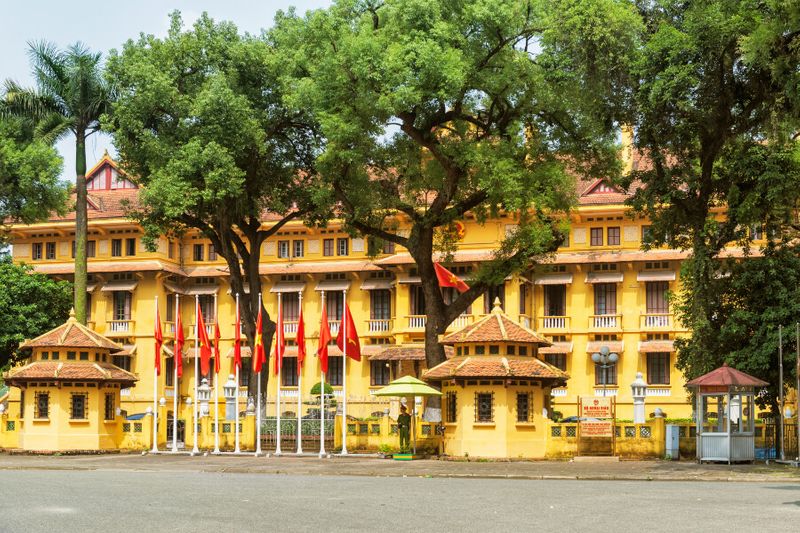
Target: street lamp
[605,359]
[203,396]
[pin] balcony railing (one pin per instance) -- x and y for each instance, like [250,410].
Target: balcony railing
[333,325]
[656,320]
[120,327]
[169,329]
[605,321]
[290,327]
[554,322]
[460,322]
[379,325]
[209,329]
[416,321]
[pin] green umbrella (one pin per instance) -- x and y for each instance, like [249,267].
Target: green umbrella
[405,387]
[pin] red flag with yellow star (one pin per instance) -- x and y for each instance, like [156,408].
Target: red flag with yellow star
[259,356]
[448,279]
[205,345]
[353,345]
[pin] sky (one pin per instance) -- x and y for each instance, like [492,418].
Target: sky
[103,25]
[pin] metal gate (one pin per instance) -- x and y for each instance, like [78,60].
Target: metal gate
[767,443]
[181,431]
[310,434]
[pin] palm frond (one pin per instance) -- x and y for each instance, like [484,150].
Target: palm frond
[49,64]
[27,103]
[53,127]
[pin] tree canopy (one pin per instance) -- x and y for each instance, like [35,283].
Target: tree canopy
[434,109]
[30,304]
[200,123]
[716,114]
[30,189]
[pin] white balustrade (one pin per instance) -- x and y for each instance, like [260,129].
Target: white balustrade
[378,325]
[333,325]
[554,322]
[657,320]
[659,391]
[558,392]
[416,321]
[290,327]
[605,321]
[120,326]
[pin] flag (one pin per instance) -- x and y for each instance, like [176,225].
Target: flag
[324,340]
[216,348]
[259,357]
[205,346]
[280,342]
[353,346]
[159,341]
[301,343]
[179,340]
[237,341]
[448,279]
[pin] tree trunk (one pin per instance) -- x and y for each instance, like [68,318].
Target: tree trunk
[81,228]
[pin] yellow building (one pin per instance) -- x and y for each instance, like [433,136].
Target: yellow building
[496,390]
[599,289]
[69,391]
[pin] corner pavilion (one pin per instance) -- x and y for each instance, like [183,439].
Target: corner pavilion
[496,390]
[70,391]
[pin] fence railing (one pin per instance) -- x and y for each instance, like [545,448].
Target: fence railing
[605,321]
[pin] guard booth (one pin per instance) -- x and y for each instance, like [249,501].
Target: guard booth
[725,415]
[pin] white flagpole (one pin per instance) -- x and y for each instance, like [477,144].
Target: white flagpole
[195,449]
[299,382]
[280,333]
[344,373]
[175,387]
[216,377]
[236,401]
[322,399]
[155,395]
[258,379]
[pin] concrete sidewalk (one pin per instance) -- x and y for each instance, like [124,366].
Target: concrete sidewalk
[355,465]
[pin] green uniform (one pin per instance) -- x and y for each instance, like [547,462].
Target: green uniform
[404,427]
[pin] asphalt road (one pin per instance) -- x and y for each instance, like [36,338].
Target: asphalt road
[45,500]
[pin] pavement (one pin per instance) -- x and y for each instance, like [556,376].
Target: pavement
[355,465]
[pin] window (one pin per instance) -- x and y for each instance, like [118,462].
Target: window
[484,407]
[605,299]
[289,372]
[565,242]
[73,249]
[379,304]
[334,305]
[605,376]
[171,249]
[290,304]
[91,249]
[756,232]
[212,253]
[335,371]
[297,248]
[327,247]
[122,305]
[658,368]
[50,250]
[523,298]
[379,373]
[116,247]
[657,296]
[45,356]
[109,406]
[122,361]
[558,360]
[84,356]
[54,356]
[170,308]
[244,373]
[480,349]
[36,251]
[524,411]
[555,300]
[199,252]
[130,246]
[78,406]
[596,237]
[612,236]
[450,407]
[645,233]
[494,349]
[283,249]
[71,356]
[498,291]
[169,371]
[342,246]
[388,247]
[207,308]
[42,405]
[417,300]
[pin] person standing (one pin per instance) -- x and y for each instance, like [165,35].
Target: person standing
[404,428]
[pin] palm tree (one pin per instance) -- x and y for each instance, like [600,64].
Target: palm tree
[71,95]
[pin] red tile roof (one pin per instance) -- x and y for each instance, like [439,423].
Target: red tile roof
[496,327]
[70,371]
[725,376]
[495,366]
[405,352]
[72,334]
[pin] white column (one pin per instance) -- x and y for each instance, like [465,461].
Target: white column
[300,382]
[216,377]
[155,391]
[238,334]
[344,373]
[279,365]
[175,387]
[322,398]
[195,449]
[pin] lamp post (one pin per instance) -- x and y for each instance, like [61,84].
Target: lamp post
[204,396]
[605,359]
[229,391]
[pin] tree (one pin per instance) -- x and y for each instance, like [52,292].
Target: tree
[716,113]
[432,110]
[30,304]
[200,122]
[70,96]
[30,189]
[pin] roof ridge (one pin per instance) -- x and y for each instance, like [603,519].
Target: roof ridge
[58,369]
[501,325]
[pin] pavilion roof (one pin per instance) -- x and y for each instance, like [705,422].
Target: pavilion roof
[70,371]
[495,366]
[727,376]
[72,334]
[496,327]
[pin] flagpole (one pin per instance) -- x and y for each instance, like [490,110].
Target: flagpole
[322,397]
[236,367]
[278,363]
[216,377]
[175,387]
[195,449]
[299,381]
[155,395]
[258,379]
[344,373]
